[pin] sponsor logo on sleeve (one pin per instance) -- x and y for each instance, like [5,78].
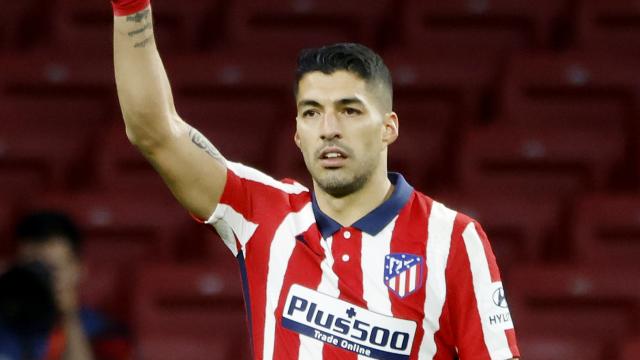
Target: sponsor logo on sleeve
[403,273]
[500,316]
[346,326]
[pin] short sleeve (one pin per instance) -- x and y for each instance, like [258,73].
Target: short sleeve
[478,308]
[249,198]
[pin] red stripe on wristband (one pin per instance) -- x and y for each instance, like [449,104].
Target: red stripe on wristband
[128,7]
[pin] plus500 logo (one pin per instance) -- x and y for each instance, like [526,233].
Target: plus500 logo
[345,325]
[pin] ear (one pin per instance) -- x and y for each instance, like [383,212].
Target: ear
[296,139]
[391,128]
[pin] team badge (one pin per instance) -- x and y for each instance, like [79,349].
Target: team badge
[403,273]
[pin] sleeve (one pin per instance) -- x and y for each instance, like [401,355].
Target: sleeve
[249,197]
[478,309]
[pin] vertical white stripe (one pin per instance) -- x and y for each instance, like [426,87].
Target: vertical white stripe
[372,254]
[311,349]
[494,337]
[280,251]
[439,233]
[402,283]
[374,249]
[412,278]
[392,284]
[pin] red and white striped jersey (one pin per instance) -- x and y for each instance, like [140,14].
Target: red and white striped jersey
[410,280]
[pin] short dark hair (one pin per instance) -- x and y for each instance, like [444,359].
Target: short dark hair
[40,226]
[354,58]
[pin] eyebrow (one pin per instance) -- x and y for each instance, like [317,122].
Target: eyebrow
[343,102]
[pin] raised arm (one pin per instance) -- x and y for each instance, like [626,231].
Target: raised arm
[190,165]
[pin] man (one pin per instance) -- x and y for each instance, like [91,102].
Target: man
[362,268]
[52,239]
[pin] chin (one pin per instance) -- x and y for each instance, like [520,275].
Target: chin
[338,184]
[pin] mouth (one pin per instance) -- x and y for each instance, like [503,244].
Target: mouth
[332,158]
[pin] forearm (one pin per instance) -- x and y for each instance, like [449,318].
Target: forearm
[143,87]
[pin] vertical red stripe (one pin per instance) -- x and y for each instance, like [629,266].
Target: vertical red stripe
[303,269]
[410,236]
[349,272]
[513,345]
[463,306]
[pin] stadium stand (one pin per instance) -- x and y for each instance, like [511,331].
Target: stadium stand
[192,303]
[608,26]
[607,229]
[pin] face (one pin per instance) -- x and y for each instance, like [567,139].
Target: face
[342,131]
[58,255]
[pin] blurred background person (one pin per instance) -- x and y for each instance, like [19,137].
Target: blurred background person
[48,265]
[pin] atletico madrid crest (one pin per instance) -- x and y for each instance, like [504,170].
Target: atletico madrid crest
[403,273]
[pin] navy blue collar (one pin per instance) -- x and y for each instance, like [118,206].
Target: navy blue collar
[377,219]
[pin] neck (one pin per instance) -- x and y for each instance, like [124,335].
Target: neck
[349,209]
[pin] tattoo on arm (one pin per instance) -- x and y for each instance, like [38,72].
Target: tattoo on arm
[139,16]
[144,19]
[139,31]
[144,42]
[203,143]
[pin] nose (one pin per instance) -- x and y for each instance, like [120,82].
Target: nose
[330,127]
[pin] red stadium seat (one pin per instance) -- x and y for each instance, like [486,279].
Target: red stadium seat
[231,73]
[200,302]
[23,24]
[631,349]
[55,74]
[440,77]
[87,26]
[426,125]
[609,25]
[590,90]
[120,228]
[514,160]
[517,227]
[42,142]
[559,347]
[471,27]
[566,300]
[121,167]
[288,26]
[607,228]
[242,129]
[187,348]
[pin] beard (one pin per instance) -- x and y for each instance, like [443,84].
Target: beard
[338,183]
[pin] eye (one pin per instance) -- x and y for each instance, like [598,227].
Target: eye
[310,113]
[351,111]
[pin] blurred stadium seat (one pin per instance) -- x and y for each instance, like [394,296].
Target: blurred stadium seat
[202,302]
[559,348]
[584,302]
[42,141]
[24,24]
[631,349]
[469,27]
[463,84]
[285,27]
[607,229]
[535,162]
[85,26]
[609,26]
[578,90]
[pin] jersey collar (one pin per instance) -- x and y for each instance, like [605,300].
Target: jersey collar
[377,219]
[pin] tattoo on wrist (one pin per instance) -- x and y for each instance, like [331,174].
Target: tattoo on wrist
[139,31]
[144,42]
[139,16]
[203,143]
